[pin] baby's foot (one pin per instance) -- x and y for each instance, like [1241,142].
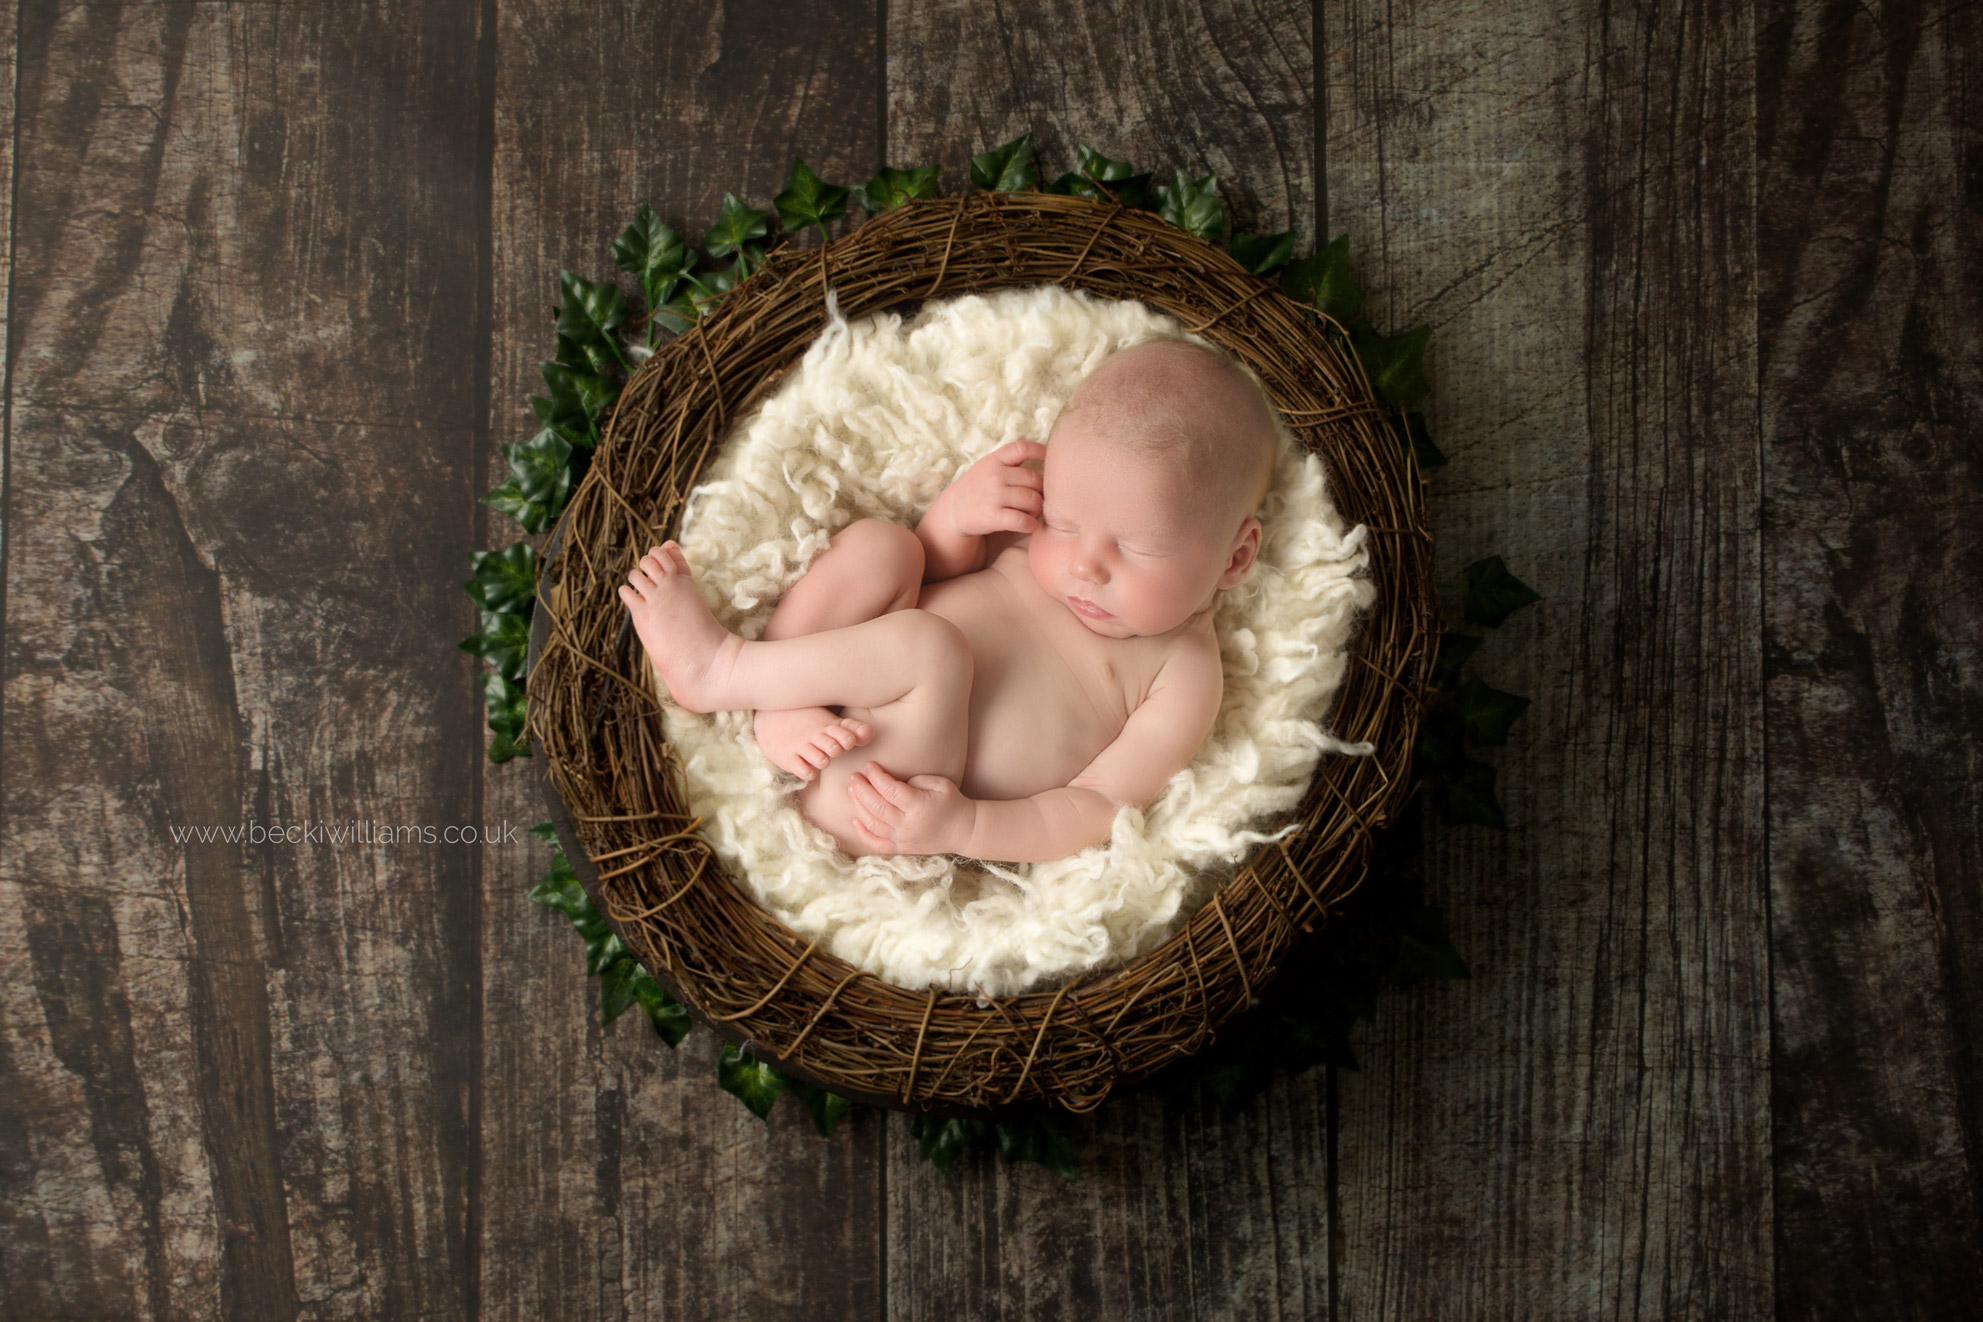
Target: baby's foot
[803,740]
[689,648]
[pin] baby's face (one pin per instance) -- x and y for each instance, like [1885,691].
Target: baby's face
[1118,543]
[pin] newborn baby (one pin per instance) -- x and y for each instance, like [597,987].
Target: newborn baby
[1036,654]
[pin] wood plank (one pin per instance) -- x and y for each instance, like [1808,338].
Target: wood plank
[1184,1215]
[1871,225]
[238,402]
[1566,195]
[1219,86]
[1172,1216]
[619,1179]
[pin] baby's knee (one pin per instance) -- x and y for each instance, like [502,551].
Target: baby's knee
[939,648]
[895,549]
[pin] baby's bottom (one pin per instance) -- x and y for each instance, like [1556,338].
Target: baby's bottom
[870,569]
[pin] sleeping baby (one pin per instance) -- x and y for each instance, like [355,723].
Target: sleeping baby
[1036,654]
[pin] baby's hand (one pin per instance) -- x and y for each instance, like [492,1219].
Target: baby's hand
[996,494]
[921,815]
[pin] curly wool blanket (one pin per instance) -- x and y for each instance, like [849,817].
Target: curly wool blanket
[876,420]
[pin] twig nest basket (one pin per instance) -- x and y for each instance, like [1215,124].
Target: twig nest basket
[593,713]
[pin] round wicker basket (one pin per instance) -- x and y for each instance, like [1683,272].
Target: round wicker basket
[618,792]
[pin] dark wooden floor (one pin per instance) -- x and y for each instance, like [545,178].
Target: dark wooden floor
[1707,288]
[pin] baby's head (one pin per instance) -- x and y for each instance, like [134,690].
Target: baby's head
[1153,473]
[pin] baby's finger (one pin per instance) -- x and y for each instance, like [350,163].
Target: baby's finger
[1024,477]
[1018,452]
[1018,521]
[866,799]
[1023,498]
[893,791]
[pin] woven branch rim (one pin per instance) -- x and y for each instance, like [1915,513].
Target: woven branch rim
[754,980]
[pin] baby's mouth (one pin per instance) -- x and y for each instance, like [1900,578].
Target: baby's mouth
[1089,609]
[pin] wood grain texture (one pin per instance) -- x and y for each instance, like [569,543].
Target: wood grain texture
[1175,1215]
[236,1076]
[1566,195]
[1172,1217]
[620,1181]
[1219,86]
[1871,159]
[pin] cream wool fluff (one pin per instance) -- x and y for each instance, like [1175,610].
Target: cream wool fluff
[876,421]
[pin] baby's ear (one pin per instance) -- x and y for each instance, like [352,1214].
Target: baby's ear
[1245,549]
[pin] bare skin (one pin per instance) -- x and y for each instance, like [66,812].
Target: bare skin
[1038,652]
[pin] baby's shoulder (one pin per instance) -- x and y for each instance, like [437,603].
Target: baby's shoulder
[1191,658]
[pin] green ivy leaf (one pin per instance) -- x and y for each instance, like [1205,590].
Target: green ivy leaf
[591,311]
[504,703]
[576,400]
[540,480]
[939,1140]
[668,1016]
[1094,165]
[1263,254]
[1103,180]
[560,889]
[504,641]
[1467,798]
[616,988]
[1394,363]
[653,254]
[503,579]
[1493,594]
[592,357]
[680,312]
[1426,952]
[542,468]
[508,499]
[893,188]
[736,228]
[1040,1138]
[720,282]
[808,199]
[751,1082]
[1420,441]
[546,831]
[1193,205]
[824,1107]
[1006,168]
[1439,748]
[1488,712]
[1454,649]
[1324,281]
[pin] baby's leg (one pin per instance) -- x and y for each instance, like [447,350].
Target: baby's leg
[909,672]
[871,567]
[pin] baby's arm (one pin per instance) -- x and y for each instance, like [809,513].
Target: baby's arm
[930,815]
[994,495]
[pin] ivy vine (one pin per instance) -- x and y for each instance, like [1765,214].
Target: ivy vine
[1387,937]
